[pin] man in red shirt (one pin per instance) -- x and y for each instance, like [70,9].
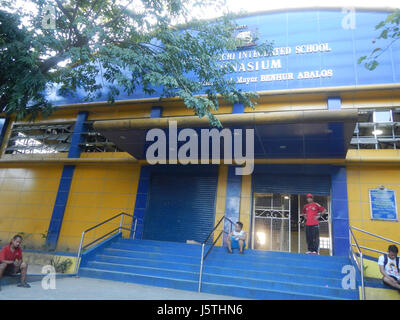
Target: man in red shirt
[11,261]
[312,212]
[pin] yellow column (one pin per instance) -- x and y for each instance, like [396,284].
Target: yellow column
[245,205]
[221,199]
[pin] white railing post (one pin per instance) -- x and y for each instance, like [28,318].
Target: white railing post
[201,267]
[134,229]
[120,223]
[360,265]
[362,276]
[77,263]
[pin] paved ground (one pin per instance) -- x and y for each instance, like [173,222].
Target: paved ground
[35,268]
[95,289]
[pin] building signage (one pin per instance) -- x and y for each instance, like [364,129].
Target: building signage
[252,66]
[383,204]
[311,49]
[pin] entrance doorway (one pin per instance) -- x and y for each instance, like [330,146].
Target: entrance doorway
[277,223]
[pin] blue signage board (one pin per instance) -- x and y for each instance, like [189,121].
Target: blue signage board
[383,204]
[313,48]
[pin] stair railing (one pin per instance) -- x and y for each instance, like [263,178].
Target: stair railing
[359,248]
[204,257]
[360,264]
[119,228]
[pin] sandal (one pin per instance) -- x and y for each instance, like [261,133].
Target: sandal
[23,285]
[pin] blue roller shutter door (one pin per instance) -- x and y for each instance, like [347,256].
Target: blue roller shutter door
[180,207]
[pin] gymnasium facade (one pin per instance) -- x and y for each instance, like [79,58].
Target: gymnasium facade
[324,124]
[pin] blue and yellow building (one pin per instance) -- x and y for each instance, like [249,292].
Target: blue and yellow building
[324,124]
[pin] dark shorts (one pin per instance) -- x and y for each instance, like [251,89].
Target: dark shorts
[12,270]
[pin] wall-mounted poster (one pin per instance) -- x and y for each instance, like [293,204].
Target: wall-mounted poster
[383,204]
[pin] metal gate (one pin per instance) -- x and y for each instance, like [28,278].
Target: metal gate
[277,223]
[271,222]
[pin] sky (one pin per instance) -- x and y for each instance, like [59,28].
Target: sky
[258,5]
[261,5]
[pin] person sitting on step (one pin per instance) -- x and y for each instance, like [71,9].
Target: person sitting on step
[237,238]
[11,261]
[389,267]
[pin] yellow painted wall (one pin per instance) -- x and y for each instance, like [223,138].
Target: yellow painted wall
[371,99]
[44,258]
[359,180]
[96,194]
[27,196]
[380,294]
[221,200]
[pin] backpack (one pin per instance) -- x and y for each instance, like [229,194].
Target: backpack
[386,259]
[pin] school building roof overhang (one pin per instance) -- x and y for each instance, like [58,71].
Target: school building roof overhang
[295,134]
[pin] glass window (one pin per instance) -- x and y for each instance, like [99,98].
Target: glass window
[383,116]
[93,141]
[43,138]
[324,243]
[377,129]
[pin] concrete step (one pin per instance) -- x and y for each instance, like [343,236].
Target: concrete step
[300,261]
[150,280]
[220,252]
[256,274]
[262,294]
[208,287]
[147,262]
[279,274]
[190,251]
[242,264]
[158,271]
[280,284]
[157,245]
[151,255]
[263,275]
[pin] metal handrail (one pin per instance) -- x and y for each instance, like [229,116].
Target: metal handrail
[375,235]
[359,265]
[203,257]
[120,228]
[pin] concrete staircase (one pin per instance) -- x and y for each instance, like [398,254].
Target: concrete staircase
[254,275]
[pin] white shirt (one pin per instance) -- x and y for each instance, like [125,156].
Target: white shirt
[390,267]
[237,235]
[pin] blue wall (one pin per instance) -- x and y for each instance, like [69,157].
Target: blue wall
[65,183]
[232,204]
[301,27]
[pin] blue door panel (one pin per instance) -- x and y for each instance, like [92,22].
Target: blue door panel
[180,207]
